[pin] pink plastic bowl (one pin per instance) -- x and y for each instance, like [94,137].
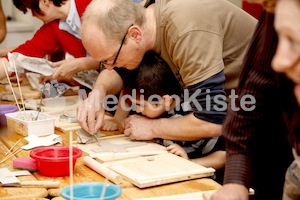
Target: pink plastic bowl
[54,161]
[4,109]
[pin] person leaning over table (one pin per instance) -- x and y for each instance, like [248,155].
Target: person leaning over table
[198,39]
[258,143]
[153,91]
[61,29]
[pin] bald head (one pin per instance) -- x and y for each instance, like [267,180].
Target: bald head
[113,17]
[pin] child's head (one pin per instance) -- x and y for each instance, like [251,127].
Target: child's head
[152,85]
[34,5]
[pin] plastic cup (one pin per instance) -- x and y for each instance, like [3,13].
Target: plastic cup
[6,108]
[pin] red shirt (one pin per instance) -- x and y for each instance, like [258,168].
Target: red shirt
[49,37]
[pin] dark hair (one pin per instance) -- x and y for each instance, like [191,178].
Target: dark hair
[33,5]
[154,76]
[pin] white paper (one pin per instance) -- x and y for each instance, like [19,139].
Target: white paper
[35,141]
[7,177]
[33,64]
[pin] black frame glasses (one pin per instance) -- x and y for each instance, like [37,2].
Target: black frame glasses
[115,60]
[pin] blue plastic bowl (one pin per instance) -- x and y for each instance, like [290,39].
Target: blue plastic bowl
[92,191]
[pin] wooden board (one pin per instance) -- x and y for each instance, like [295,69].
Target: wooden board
[184,188]
[120,147]
[159,169]
[188,196]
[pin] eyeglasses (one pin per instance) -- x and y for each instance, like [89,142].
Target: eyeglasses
[115,60]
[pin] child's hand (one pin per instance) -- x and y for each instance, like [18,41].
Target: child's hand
[177,150]
[110,125]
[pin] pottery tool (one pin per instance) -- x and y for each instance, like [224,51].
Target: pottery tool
[102,169]
[35,184]
[40,104]
[8,178]
[95,137]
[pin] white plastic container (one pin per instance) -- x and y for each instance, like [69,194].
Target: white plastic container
[23,123]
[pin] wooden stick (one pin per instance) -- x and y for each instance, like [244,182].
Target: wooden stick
[9,151]
[13,152]
[71,163]
[106,181]
[10,155]
[11,87]
[19,86]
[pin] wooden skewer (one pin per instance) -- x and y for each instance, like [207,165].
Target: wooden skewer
[71,163]
[19,86]
[9,151]
[13,152]
[10,155]
[11,87]
[106,179]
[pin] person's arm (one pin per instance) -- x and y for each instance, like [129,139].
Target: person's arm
[91,111]
[2,24]
[142,128]
[204,122]
[3,63]
[4,51]
[67,68]
[116,122]
[215,160]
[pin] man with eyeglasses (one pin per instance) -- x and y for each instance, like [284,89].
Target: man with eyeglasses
[198,39]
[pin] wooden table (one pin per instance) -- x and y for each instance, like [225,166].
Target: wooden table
[83,173]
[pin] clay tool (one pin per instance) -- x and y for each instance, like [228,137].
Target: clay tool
[42,184]
[40,104]
[95,137]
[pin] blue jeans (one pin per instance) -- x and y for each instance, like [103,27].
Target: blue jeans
[291,189]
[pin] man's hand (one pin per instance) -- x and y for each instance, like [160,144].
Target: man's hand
[138,127]
[91,112]
[65,69]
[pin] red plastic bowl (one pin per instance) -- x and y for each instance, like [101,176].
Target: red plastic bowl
[54,161]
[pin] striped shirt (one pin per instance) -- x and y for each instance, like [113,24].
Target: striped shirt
[258,151]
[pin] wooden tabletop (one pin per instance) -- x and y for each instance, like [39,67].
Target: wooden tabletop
[82,173]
